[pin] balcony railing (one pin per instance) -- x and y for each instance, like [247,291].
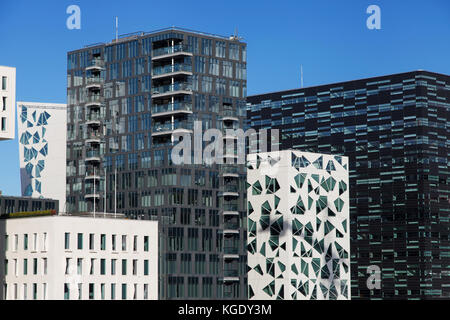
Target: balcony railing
[93,154]
[98,63]
[231,225]
[230,273]
[226,169]
[231,250]
[181,106]
[180,86]
[170,50]
[157,71]
[229,113]
[96,98]
[171,126]
[230,207]
[93,117]
[230,188]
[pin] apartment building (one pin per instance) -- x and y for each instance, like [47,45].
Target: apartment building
[7,102]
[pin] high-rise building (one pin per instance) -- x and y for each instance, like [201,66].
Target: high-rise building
[394,130]
[7,102]
[298,226]
[42,150]
[126,99]
[57,257]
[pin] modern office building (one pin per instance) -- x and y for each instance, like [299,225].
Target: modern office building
[394,130]
[127,101]
[42,150]
[7,102]
[9,205]
[78,258]
[298,226]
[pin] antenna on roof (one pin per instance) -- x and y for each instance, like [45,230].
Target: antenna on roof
[235,36]
[301,76]
[117,28]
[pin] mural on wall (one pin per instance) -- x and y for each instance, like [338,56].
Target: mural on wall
[35,149]
[298,226]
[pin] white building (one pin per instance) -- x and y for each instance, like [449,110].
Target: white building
[298,226]
[78,257]
[42,129]
[7,102]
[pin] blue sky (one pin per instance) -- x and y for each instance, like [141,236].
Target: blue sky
[329,38]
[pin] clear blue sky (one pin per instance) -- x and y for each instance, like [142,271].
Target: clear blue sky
[328,37]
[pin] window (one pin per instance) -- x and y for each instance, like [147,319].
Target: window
[79,266]
[113,291]
[25,291]
[67,265]
[6,242]
[80,291]
[66,291]
[135,267]
[91,241]
[34,241]
[135,240]
[44,266]
[103,242]
[91,291]
[25,242]
[25,266]
[45,242]
[145,291]
[35,266]
[34,291]
[80,241]
[3,124]
[124,243]
[6,267]
[113,244]
[124,291]
[67,240]
[44,291]
[102,291]
[124,267]
[145,243]
[92,266]
[113,266]
[102,266]
[4,83]
[16,242]
[145,267]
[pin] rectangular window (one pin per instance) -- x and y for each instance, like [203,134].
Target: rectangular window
[25,242]
[102,291]
[80,241]
[35,266]
[25,291]
[124,267]
[91,241]
[145,243]
[135,240]
[145,291]
[34,241]
[124,291]
[92,266]
[135,267]
[102,266]
[4,80]
[45,242]
[34,291]
[113,242]
[25,266]
[113,291]
[66,291]
[67,241]
[44,291]
[44,266]
[103,242]
[6,242]
[113,266]
[79,266]
[145,267]
[91,291]
[80,291]
[124,243]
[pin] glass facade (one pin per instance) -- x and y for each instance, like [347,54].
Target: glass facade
[395,131]
[125,100]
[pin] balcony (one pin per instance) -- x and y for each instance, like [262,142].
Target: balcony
[229,115]
[172,89]
[169,128]
[231,250]
[229,171]
[162,110]
[230,209]
[93,138]
[230,275]
[93,119]
[229,133]
[92,176]
[171,70]
[231,225]
[94,83]
[91,196]
[93,156]
[169,52]
[230,233]
[96,65]
[94,101]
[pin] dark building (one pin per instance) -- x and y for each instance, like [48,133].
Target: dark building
[395,131]
[10,205]
[126,99]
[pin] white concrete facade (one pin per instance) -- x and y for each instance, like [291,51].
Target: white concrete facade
[298,226]
[42,130]
[72,258]
[7,102]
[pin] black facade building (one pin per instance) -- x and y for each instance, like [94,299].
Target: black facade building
[126,100]
[395,131]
